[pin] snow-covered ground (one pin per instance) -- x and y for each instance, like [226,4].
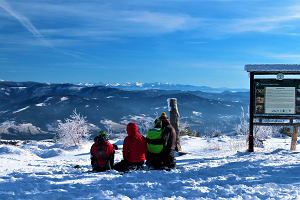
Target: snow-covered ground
[217,168]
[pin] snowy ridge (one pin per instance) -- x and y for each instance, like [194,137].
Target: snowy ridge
[213,170]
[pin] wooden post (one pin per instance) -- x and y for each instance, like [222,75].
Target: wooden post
[294,138]
[251,107]
[174,119]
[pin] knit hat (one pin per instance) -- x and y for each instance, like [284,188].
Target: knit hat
[163,115]
[103,135]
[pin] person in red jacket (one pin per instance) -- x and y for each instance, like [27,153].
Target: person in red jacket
[102,153]
[134,150]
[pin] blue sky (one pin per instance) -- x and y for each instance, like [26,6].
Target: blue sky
[199,42]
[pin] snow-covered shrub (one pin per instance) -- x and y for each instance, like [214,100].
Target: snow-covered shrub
[286,131]
[264,132]
[144,124]
[185,129]
[261,133]
[214,133]
[243,127]
[73,130]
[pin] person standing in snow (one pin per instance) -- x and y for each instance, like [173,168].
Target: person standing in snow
[102,153]
[134,150]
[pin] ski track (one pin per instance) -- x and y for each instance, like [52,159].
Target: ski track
[30,172]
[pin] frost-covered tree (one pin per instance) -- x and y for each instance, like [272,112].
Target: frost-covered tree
[73,130]
[243,127]
[260,132]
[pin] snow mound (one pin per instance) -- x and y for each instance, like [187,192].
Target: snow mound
[49,153]
[9,150]
[44,149]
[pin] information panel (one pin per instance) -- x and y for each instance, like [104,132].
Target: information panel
[280,100]
[277,96]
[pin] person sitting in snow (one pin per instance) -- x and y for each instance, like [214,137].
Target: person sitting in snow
[102,153]
[134,150]
[169,138]
[161,144]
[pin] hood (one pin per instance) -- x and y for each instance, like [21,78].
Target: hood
[132,129]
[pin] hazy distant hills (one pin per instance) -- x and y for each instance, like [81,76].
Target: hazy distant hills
[169,86]
[41,105]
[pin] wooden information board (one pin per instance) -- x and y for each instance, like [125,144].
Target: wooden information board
[277,96]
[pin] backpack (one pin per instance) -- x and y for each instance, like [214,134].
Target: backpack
[100,154]
[154,140]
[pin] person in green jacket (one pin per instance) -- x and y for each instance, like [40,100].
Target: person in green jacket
[161,144]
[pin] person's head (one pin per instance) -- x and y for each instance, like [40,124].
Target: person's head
[165,122]
[132,129]
[158,121]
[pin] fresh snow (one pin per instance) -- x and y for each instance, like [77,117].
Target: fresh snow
[20,110]
[48,99]
[40,104]
[19,88]
[139,84]
[198,114]
[64,99]
[273,67]
[217,168]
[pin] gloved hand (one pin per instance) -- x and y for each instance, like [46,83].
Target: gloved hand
[115,147]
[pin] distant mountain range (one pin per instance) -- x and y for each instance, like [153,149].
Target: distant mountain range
[169,86]
[34,108]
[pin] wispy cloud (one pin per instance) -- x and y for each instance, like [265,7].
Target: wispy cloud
[283,57]
[163,22]
[102,22]
[110,21]
[280,19]
[20,18]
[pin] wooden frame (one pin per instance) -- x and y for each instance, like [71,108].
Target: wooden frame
[257,119]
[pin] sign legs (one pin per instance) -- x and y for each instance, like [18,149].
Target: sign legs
[294,138]
[251,111]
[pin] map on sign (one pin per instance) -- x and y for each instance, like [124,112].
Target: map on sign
[277,97]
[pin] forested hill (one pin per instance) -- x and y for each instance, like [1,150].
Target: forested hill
[40,105]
